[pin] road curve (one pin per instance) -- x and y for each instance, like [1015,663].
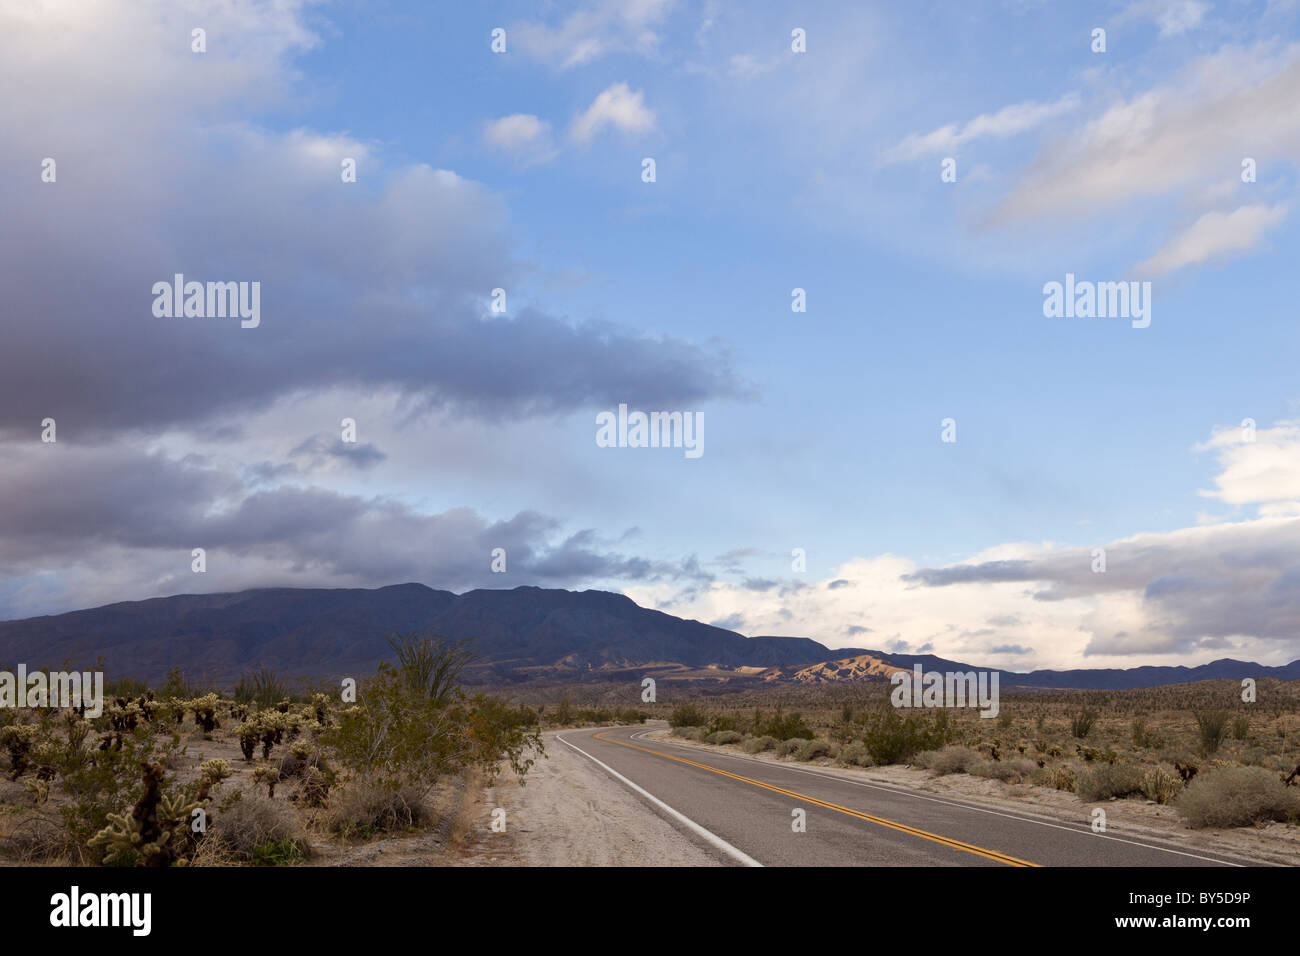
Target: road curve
[747,805]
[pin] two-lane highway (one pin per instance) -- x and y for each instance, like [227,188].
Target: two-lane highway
[744,807]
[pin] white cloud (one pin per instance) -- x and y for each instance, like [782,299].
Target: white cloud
[597,30]
[1176,140]
[523,136]
[1008,121]
[1173,17]
[1263,472]
[617,106]
[1214,236]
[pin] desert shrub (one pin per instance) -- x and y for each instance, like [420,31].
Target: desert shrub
[1103,781]
[1082,722]
[786,747]
[691,733]
[952,759]
[755,745]
[263,687]
[817,747]
[432,665]
[786,726]
[1211,729]
[1236,797]
[688,715]
[891,738]
[108,781]
[1240,727]
[855,754]
[723,737]
[39,838]
[359,809]
[1008,771]
[1160,785]
[400,735]
[278,853]
[1058,778]
[254,821]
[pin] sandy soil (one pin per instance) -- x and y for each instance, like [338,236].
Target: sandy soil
[572,813]
[1276,843]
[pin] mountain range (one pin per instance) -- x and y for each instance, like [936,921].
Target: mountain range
[520,634]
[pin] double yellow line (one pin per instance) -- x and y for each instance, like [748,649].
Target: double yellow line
[848,811]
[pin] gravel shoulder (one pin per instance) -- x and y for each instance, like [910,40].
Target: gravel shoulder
[570,812]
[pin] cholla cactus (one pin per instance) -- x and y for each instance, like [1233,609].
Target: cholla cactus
[47,757]
[18,739]
[314,788]
[78,728]
[319,703]
[269,776]
[205,712]
[156,831]
[211,773]
[39,789]
[249,733]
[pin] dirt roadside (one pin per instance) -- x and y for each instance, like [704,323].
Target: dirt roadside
[570,812]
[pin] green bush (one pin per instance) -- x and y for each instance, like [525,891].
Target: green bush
[1211,728]
[786,726]
[1082,722]
[891,738]
[755,745]
[1236,797]
[1107,780]
[688,715]
[691,733]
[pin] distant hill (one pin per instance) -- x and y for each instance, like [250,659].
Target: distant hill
[519,634]
[524,632]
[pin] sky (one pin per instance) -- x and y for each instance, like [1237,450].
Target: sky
[921,460]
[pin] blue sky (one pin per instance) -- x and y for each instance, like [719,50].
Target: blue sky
[775,170]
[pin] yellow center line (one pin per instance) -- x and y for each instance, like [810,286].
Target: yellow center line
[870,818]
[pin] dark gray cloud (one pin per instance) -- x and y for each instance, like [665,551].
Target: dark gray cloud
[382,283]
[133,519]
[1011,649]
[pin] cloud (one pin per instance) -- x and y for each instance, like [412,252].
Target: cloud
[617,106]
[1215,235]
[1203,592]
[523,136]
[1008,121]
[114,523]
[1173,17]
[1263,470]
[382,283]
[594,31]
[1174,140]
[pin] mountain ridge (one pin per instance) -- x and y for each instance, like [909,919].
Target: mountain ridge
[521,633]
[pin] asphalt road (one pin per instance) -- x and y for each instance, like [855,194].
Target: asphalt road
[742,808]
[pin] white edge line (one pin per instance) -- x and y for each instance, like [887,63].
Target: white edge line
[712,838]
[964,806]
